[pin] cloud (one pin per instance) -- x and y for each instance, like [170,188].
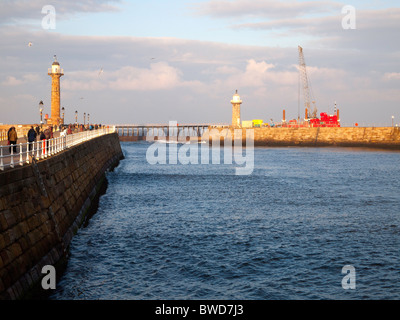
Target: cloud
[13,81]
[16,10]
[316,24]
[366,20]
[221,70]
[262,74]
[189,81]
[389,76]
[375,30]
[264,8]
[256,73]
[159,76]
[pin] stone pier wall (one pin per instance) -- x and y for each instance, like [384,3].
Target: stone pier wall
[42,205]
[369,137]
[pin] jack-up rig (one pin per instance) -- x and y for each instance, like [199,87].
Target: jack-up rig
[311,119]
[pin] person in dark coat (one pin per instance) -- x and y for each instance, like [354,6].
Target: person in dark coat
[37,129]
[31,137]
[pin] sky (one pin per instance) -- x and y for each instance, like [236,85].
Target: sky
[151,62]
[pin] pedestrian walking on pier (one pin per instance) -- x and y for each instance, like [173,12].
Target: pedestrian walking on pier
[12,139]
[45,136]
[31,137]
[37,129]
[47,133]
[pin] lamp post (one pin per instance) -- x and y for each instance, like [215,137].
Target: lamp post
[41,111]
[392,121]
[63,110]
[88,118]
[84,118]
[76,117]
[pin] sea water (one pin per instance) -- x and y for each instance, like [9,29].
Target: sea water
[286,231]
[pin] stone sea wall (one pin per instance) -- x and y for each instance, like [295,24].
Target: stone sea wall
[368,137]
[43,204]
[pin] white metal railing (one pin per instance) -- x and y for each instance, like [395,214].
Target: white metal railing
[56,71]
[42,149]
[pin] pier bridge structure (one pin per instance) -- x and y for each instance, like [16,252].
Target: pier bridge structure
[137,132]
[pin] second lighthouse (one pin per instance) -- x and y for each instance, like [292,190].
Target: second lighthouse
[236,102]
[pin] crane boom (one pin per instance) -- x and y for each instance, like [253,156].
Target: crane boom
[306,89]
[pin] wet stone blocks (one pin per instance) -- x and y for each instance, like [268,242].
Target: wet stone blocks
[36,225]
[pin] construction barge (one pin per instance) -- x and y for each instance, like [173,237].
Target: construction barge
[312,131]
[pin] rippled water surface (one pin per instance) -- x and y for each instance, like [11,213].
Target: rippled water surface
[284,232]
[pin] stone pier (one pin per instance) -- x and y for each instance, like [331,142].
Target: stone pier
[43,204]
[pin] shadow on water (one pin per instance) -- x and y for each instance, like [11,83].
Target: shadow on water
[37,292]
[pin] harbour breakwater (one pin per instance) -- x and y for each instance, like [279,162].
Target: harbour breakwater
[42,205]
[367,137]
